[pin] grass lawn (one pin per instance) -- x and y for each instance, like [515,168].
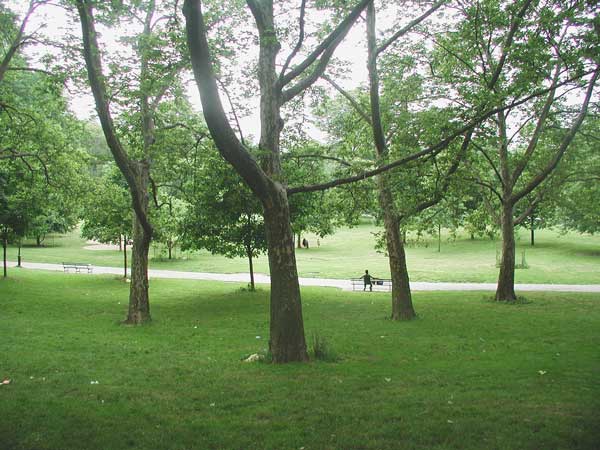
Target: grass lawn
[556,258]
[468,374]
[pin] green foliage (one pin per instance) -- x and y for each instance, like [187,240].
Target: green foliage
[168,222]
[224,216]
[576,204]
[42,162]
[107,213]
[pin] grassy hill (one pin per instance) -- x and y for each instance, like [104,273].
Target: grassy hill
[468,374]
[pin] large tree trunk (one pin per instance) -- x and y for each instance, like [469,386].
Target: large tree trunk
[506,280]
[139,303]
[287,342]
[402,307]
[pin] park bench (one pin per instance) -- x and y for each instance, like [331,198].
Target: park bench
[78,267]
[379,284]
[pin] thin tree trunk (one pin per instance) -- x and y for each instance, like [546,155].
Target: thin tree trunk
[402,307]
[532,226]
[251,267]
[125,258]
[287,341]
[136,173]
[506,279]
[4,245]
[19,254]
[38,241]
[139,303]
[299,242]
[170,248]
[120,243]
[439,238]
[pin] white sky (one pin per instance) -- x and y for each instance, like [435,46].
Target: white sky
[53,23]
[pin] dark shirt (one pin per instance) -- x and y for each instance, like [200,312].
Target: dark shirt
[367,278]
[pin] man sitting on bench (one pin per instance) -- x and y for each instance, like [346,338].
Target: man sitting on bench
[368,281]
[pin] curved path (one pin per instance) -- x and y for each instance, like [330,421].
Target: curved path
[324,282]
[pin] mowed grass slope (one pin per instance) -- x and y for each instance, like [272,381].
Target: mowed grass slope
[468,374]
[556,258]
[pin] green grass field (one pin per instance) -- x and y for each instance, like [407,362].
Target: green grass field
[556,258]
[468,374]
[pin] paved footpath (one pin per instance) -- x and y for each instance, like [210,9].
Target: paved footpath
[324,282]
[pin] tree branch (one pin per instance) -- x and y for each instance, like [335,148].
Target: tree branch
[413,23]
[532,145]
[298,44]
[343,27]
[490,162]
[440,191]
[508,42]
[564,145]
[94,69]
[432,150]
[225,139]
[359,109]
[235,116]
[319,69]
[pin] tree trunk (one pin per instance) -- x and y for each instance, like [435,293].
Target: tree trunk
[439,238]
[251,267]
[532,226]
[19,254]
[4,245]
[120,243]
[38,241]
[299,244]
[506,280]
[402,307]
[170,248]
[287,342]
[139,303]
[125,258]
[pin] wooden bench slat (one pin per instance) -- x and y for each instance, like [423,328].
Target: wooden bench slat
[383,282]
[77,266]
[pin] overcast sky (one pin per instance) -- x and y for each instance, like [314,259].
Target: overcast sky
[352,50]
